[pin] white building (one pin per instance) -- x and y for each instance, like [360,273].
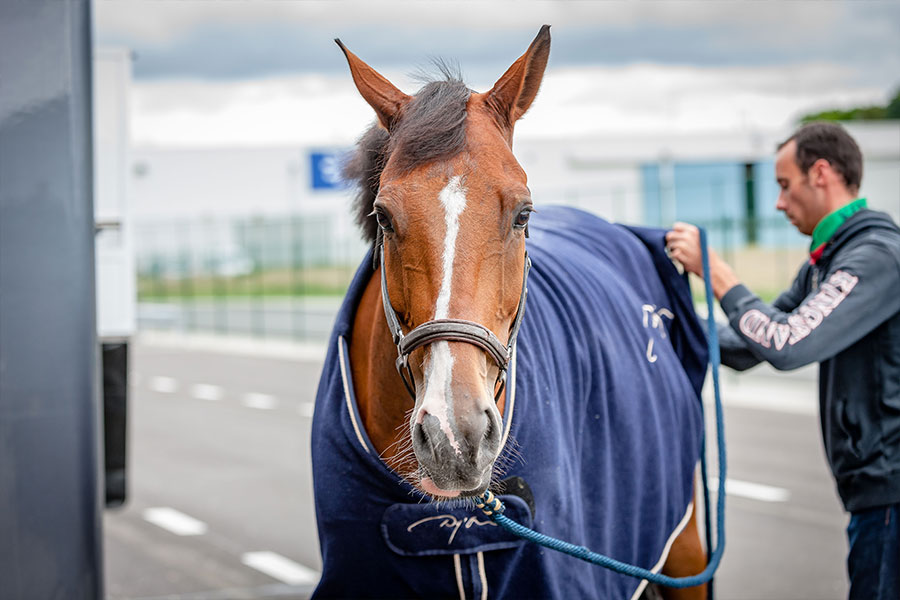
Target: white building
[634,179]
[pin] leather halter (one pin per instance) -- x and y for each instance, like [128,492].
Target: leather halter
[451,330]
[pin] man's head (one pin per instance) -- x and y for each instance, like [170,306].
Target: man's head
[818,169]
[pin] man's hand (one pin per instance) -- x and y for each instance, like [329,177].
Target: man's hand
[683,242]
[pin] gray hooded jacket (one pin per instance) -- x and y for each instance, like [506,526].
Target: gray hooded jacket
[843,312]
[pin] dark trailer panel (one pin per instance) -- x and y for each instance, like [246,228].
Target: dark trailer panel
[50,482]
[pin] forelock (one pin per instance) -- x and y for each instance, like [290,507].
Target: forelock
[432,127]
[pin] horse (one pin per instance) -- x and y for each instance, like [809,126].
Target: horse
[545,354]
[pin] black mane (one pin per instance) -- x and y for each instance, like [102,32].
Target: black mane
[432,127]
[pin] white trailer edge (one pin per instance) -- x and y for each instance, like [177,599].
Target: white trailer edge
[116,293]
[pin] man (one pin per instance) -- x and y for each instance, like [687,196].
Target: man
[843,311]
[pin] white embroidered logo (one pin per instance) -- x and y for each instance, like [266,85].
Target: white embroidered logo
[653,320]
[452,523]
[758,327]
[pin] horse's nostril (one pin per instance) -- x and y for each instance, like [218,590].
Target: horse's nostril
[419,435]
[489,429]
[428,437]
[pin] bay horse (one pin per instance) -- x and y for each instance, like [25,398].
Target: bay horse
[563,372]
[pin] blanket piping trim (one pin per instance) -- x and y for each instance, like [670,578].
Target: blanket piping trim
[483,575]
[666,549]
[459,584]
[510,398]
[351,410]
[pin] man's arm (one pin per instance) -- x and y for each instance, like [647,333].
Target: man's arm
[860,292]
[683,243]
[734,350]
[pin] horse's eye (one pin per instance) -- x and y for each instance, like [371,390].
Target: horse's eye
[384,221]
[522,218]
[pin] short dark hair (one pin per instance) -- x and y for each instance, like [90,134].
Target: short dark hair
[832,142]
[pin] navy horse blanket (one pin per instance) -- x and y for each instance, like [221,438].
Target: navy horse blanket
[603,423]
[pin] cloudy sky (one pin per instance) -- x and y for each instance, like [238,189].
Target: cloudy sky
[231,72]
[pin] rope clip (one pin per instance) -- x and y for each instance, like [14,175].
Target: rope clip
[490,504]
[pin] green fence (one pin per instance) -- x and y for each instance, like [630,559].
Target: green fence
[767,269]
[284,277]
[265,277]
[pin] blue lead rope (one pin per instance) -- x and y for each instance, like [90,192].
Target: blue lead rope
[493,507]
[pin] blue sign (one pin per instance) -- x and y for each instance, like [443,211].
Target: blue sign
[326,170]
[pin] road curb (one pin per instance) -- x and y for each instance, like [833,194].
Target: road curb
[229,344]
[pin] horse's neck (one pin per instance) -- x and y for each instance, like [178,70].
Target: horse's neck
[380,394]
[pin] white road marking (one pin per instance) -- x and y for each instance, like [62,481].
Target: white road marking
[281,568]
[174,522]
[753,491]
[163,385]
[306,409]
[259,401]
[205,391]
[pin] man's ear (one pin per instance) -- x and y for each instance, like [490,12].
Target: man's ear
[821,172]
[380,93]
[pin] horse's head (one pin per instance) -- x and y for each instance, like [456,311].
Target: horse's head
[447,200]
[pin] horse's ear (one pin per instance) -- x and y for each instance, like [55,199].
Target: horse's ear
[513,93]
[380,93]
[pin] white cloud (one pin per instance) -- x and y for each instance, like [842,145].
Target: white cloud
[158,20]
[647,99]
[291,110]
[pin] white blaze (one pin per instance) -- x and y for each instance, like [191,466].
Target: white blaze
[438,400]
[453,199]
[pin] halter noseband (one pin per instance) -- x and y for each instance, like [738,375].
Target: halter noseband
[451,330]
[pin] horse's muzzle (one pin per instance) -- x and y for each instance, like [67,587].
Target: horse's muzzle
[461,459]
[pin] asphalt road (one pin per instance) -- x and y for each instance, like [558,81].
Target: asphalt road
[220,486]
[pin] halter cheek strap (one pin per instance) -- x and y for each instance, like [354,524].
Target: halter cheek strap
[451,330]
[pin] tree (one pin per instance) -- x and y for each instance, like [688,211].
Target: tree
[893,109]
[862,113]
